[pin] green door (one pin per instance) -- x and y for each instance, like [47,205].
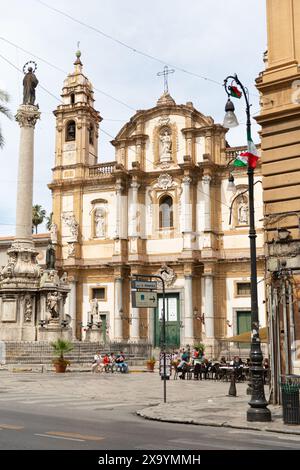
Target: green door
[243,325]
[172,321]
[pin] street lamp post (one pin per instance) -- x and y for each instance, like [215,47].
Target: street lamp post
[258,410]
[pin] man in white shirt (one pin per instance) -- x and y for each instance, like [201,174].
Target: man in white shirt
[97,362]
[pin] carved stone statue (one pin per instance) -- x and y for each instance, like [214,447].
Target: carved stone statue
[50,256]
[94,309]
[166,144]
[99,223]
[243,212]
[71,222]
[28,309]
[29,84]
[53,299]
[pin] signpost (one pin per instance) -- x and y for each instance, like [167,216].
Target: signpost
[168,371]
[149,285]
[142,299]
[143,296]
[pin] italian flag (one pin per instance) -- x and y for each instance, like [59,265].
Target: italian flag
[235,92]
[248,158]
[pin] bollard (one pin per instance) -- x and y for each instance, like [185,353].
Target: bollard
[232,388]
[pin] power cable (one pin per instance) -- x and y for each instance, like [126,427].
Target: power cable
[127,46]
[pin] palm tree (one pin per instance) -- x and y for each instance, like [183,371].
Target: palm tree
[49,221]
[4,110]
[38,215]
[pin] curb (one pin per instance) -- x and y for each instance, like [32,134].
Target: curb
[224,424]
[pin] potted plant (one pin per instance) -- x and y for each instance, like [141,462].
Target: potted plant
[61,346]
[151,363]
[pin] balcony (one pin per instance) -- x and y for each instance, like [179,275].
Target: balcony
[101,170]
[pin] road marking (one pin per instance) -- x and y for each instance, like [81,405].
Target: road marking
[75,435]
[59,437]
[11,426]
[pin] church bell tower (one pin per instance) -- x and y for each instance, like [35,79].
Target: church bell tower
[77,124]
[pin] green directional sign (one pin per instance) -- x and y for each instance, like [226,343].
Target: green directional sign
[144,299]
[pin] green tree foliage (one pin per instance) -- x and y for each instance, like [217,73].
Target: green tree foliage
[38,216]
[4,98]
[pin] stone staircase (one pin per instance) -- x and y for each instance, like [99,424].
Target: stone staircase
[32,353]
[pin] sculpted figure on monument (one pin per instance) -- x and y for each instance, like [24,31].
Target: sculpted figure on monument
[50,256]
[53,299]
[100,223]
[166,144]
[243,212]
[29,85]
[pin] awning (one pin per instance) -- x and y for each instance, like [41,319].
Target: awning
[246,337]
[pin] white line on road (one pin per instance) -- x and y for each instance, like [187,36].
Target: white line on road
[60,437]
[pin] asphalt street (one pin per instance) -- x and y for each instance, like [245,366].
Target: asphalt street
[46,411]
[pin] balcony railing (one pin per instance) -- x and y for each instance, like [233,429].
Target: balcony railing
[103,169]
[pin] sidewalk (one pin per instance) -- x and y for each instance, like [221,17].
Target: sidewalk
[213,408]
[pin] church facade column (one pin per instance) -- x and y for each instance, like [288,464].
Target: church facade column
[206,182]
[134,317]
[72,306]
[187,212]
[209,306]
[133,210]
[118,327]
[188,310]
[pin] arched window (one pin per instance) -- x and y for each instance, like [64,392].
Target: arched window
[72,98]
[166,212]
[71,131]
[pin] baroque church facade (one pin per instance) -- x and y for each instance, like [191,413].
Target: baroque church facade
[161,207]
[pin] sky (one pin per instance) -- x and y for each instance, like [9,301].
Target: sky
[205,38]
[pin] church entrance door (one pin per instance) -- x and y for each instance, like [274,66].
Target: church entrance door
[172,321]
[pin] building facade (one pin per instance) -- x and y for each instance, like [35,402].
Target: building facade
[162,206]
[279,86]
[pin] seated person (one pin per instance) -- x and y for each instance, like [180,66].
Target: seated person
[120,362]
[223,361]
[106,362]
[112,360]
[97,362]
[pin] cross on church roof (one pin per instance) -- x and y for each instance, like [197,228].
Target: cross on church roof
[166,71]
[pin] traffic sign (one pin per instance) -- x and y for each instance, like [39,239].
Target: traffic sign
[144,299]
[144,285]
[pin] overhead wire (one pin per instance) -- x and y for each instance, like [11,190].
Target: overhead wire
[129,47]
[54,96]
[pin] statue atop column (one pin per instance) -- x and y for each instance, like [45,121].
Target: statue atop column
[30,83]
[50,256]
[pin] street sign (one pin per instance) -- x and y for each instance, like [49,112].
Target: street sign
[168,364]
[144,285]
[144,299]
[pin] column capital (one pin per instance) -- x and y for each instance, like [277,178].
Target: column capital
[187,180]
[135,185]
[27,115]
[206,179]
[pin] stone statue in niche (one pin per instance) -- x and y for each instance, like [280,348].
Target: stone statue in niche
[243,211]
[53,299]
[28,309]
[99,222]
[165,146]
